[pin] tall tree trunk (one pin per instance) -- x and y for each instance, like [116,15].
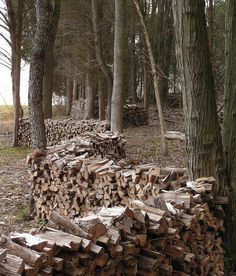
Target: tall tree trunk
[101,95]
[15,29]
[75,90]
[164,43]
[204,146]
[155,78]
[145,84]
[69,93]
[49,61]
[210,25]
[36,118]
[99,54]
[119,66]
[89,96]
[132,60]
[229,128]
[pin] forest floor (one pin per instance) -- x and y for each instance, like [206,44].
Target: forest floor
[143,143]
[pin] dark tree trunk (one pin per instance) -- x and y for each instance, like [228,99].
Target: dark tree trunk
[36,75]
[132,60]
[119,66]
[75,90]
[164,43]
[101,95]
[99,54]
[204,145]
[89,96]
[49,61]
[229,128]
[15,29]
[69,93]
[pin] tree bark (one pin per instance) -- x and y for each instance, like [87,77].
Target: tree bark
[204,145]
[15,29]
[75,90]
[49,61]
[89,96]
[155,78]
[69,93]
[36,75]
[132,60]
[101,96]
[164,43]
[99,55]
[119,67]
[229,127]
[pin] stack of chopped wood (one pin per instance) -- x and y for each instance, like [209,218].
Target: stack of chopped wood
[144,240]
[134,115]
[78,109]
[58,130]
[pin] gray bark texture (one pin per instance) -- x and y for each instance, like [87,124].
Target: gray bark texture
[99,54]
[15,30]
[89,96]
[69,93]
[119,67]
[36,75]
[49,60]
[204,145]
[229,128]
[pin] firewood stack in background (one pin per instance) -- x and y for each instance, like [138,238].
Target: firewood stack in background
[59,130]
[79,107]
[134,115]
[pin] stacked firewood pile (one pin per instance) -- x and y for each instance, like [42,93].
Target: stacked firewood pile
[79,107]
[134,115]
[174,239]
[58,130]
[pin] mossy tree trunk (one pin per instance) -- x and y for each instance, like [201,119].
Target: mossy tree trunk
[204,144]
[229,128]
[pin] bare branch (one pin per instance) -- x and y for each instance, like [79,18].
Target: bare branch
[7,40]
[4,55]
[4,27]
[5,51]
[6,64]
[5,18]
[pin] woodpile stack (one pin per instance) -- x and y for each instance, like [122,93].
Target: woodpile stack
[79,107]
[176,239]
[59,130]
[134,115]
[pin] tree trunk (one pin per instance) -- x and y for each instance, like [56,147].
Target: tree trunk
[36,75]
[204,147]
[145,85]
[101,95]
[164,43]
[48,82]
[15,29]
[69,93]
[89,96]
[155,78]
[229,128]
[99,55]
[75,90]
[49,61]
[119,66]
[132,61]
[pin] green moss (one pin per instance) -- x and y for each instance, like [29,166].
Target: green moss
[23,214]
